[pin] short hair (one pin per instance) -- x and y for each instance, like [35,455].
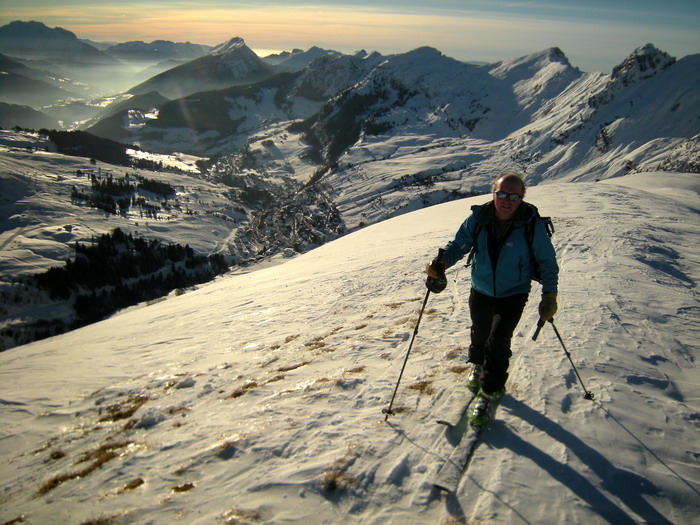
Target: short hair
[509,175]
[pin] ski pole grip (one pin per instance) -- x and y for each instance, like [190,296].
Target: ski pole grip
[540,324]
[437,284]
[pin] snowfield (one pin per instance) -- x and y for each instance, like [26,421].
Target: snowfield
[258,398]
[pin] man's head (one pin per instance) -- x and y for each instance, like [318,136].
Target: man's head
[508,192]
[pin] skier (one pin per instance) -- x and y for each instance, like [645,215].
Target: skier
[509,243]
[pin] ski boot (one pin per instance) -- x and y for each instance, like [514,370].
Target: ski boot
[474,380]
[485,408]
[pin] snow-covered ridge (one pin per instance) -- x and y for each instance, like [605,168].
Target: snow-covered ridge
[233,45]
[258,397]
[644,62]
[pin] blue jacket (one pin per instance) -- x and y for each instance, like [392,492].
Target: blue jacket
[504,269]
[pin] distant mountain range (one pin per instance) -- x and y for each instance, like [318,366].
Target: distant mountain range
[537,112]
[537,104]
[34,40]
[351,115]
[157,50]
[37,41]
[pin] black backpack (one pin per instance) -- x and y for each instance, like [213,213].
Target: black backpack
[529,237]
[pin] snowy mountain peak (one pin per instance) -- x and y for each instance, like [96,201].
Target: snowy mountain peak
[228,64]
[237,57]
[644,62]
[425,53]
[555,54]
[530,63]
[298,59]
[233,45]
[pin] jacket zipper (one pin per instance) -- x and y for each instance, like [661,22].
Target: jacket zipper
[497,253]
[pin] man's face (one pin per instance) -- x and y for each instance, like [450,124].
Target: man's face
[505,207]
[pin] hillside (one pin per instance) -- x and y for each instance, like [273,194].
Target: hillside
[11,113]
[51,201]
[257,398]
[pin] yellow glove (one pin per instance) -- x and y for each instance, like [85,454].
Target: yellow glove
[548,306]
[436,281]
[435,269]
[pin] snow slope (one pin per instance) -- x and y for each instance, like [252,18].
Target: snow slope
[257,398]
[39,222]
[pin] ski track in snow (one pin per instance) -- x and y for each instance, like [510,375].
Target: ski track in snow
[257,398]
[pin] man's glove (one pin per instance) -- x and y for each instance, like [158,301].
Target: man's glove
[548,306]
[436,281]
[435,269]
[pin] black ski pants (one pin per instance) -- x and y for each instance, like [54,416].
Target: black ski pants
[493,322]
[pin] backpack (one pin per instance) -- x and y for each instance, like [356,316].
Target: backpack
[529,237]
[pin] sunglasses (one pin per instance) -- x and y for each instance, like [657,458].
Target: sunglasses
[511,196]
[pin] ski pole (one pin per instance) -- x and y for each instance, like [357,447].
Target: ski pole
[430,283]
[388,411]
[588,394]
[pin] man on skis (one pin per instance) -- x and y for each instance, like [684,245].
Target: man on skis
[510,243]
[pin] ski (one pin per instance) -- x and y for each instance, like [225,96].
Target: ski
[450,474]
[454,417]
[458,403]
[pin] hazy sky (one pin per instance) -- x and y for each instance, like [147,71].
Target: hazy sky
[596,35]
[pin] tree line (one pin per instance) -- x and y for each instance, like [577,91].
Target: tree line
[119,270]
[118,195]
[84,144]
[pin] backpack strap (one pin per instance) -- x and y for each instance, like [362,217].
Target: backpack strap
[530,236]
[548,224]
[470,257]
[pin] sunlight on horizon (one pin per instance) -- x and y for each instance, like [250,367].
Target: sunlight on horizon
[484,34]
